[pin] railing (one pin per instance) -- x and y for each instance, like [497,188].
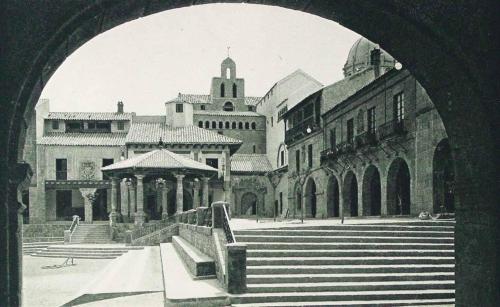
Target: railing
[328,154]
[146,230]
[367,138]
[394,127]
[300,130]
[227,229]
[345,147]
[74,225]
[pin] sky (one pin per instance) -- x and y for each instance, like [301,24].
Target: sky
[150,60]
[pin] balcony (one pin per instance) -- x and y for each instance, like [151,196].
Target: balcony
[393,128]
[300,130]
[345,148]
[367,138]
[61,175]
[328,154]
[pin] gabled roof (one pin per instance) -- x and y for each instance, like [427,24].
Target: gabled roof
[89,116]
[83,139]
[196,99]
[150,133]
[225,113]
[250,163]
[160,159]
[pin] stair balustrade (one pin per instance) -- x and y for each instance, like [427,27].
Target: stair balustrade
[69,233]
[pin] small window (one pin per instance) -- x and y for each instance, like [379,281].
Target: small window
[179,108]
[371,120]
[250,108]
[333,138]
[207,124]
[227,125]
[272,121]
[235,90]
[200,124]
[213,162]
[350,131]
[399,107]
[55,125]
[254,148]
[240,125]
[214,125]
[120,125]
[61,169]
[310,155]
[202,107]
[228,106]
[282,158]
[233,125]
[221,125]
[297,160]
[247,126]
[254,126]
[228,73]
[222,90]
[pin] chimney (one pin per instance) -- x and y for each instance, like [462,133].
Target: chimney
[375,61]
[120,107]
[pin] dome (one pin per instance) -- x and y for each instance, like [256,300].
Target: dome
[359,57]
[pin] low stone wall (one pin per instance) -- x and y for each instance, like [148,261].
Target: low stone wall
[119,230]
[44,232]
[161,236]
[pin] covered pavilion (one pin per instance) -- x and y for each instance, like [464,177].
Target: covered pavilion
[167,171]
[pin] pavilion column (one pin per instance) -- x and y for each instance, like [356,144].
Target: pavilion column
[227,175]
[179,193]
[124,200]
[196,194]
[205,192]
[164,201]
[114,215]
[132,198]
[88,199]
[140,216]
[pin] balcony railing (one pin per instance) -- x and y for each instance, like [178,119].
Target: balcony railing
[328,154]
[301,130]
[393,128]
[367,138]
[61,175]
[345,148]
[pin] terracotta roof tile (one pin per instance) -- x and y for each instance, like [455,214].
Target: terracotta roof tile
[83,139]
[250,163]
[195,99]
[89,116]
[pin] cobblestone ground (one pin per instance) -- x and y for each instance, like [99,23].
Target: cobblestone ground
[56,286]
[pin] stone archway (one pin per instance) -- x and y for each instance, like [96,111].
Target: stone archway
[249,203]
[398,188]
[332,206]
[350,194]
[310,204]
[443,178]
[442,54]
[372,201]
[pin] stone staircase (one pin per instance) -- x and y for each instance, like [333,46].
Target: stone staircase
[84,252]
[91,234]
[34,247]
[387,264]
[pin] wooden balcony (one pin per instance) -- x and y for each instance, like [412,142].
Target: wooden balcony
[301,130]
[367,138]
[393,128]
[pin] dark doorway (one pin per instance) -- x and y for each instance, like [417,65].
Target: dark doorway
[350,192]
[398,188]
[371,191]
[311,198]
[64,206]
[249,204]
[443,179]
[100,206]
[333,197]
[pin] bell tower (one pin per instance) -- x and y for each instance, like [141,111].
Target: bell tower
[227,91]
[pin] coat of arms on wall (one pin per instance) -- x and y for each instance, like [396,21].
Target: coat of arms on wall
[87,170]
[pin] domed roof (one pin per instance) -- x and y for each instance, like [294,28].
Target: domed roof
[359,57]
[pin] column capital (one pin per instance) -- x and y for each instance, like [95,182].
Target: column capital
[88,192]
[205,179]
[180,176]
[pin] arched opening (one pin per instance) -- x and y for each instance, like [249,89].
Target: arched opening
[350,195]
[310,195]
[222,90]
[371,191]
[214,125]
[254,126]
[228,106]
[235,90]
[443,179]
[100,210]
[228,74]
[221,125]
[332,205]
[249,203]
[207,124]
[200,124]
[227,125]
[398,188]
[240,125]
[233,125]
[247,126]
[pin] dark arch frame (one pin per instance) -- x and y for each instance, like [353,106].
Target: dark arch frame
[399,188]
[244,206]
[311,199]
[372,192]
[350,194]
[228,106]
[333,197]
[67,25]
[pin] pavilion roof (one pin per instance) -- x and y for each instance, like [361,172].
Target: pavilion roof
[160,159]
[250,163]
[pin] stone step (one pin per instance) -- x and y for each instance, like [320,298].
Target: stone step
[198,263]
[343,269]
[345,245]
[348,253]
[409,302]
[342,296]
[352,277]
[347,260]
[78,256]
[382,226]
[350,239]
[92,249]
[342,232]
[351,286]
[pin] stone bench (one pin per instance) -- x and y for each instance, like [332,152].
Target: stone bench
[198,264]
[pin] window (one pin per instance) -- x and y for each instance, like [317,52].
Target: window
[247,126]
[282,158]
[74,126]
[91,126]
[272,121]
[228,73]
[120,125]
[281,112]
[254,149]
[233,125]
[281,202]
[179,108]
[55,125]
[254,126]
[297,160]
[221,125]
[106,162]
[333,138]
[222,90]
[399,107]
[235,90]
[361,121]
[227,125]
[310,155]
[202,107]
[250,108]
[228,106]
[61,169]
[350,131]
[207,124]
[200,124]
[103,126]
[214,125]
[240,125]
[213,162]
[371,120]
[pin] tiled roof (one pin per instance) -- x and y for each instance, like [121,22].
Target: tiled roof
[147,133]
[89,116]
[250,163]
[193,98]
[225,113]
[83,139]
[159,158]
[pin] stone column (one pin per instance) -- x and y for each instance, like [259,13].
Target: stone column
[140,216]
[205,192]
[114,215]
[88,199]
[179,194]
[196,193]
[132,198]
[124,200]
[164,201]
[227,175]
